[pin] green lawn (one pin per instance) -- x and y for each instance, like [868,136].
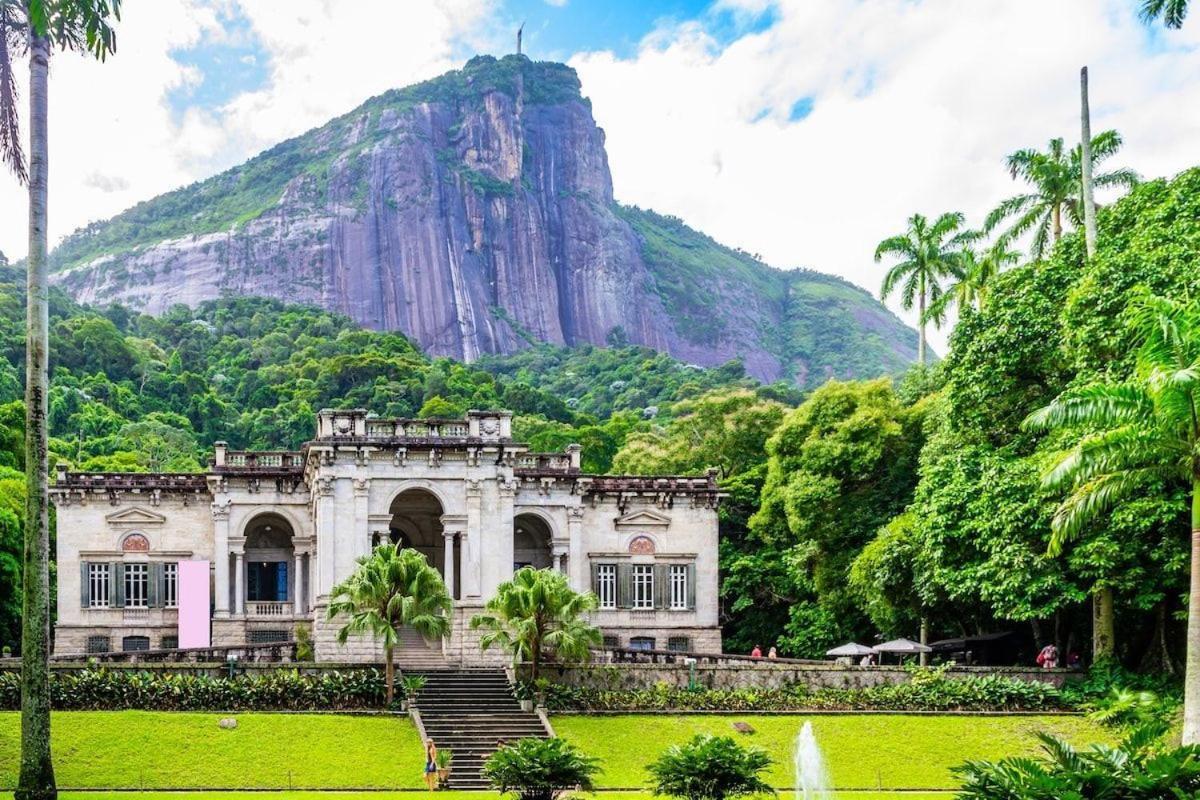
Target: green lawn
[863,751]
[409,795]
[159,751]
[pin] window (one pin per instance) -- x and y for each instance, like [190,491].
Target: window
[267,581]
[679,587]
[643,586]
[606,585]
[170,591]
[612,641]
[267,636]
[641,643]
[679,644]
[98,586]
[98,644]
[131,644]
[169,643]
[137,587]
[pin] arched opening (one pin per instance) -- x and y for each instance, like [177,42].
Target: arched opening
[417,523]
[269,563]
[531,542]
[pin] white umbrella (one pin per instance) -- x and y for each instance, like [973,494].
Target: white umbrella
[902,646]
[852,650]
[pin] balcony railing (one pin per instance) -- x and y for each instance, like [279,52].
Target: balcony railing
[545,462]
[136,616]
[269,460]
[260,608]
[417,429]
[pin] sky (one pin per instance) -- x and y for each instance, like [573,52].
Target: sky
[802,130]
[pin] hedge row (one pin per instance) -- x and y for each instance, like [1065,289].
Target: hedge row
[924,692]
[278,690]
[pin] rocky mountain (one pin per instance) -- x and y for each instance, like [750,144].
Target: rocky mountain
[475,213]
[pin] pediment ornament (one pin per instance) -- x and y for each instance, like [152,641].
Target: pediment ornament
[135,516]
[643,519]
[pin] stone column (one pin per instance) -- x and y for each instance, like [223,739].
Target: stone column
[500,528]
[239,582]
[298,582]
[220,512]
[448,560]
[472,544]
[579,576]
[558,555]
[326,538]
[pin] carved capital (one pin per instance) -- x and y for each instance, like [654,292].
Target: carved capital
[474,487]
[220,508]
[362,486]
[575,513]
[325,486]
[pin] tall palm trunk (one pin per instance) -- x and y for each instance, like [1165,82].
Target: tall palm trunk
[1191,675]
[1103,629]
[921,326]
[1056,216]
[1085,144]
[37,769]
[389,672]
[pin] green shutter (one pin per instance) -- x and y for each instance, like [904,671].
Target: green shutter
[691,586]
[116,585]
[662,586]
[85,597]
[595,579]
[624,586]
[154,578]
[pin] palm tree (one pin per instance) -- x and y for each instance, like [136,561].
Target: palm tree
[978,270]
[1147,431]
[392,587]
[928,255]
[535,612]
[1056,178]
[1172,12]
[35,27]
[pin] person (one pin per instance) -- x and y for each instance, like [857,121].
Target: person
[772,653]
[1074,660]
[756,652]
[868,660]
[430,764]
[1048,658]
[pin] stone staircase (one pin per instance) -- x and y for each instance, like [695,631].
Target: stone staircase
[469,711]
[414,654]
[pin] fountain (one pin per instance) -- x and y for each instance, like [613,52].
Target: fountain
[812,779]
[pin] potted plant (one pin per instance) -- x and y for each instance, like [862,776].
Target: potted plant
[525,693]
[412,686]
[444,760]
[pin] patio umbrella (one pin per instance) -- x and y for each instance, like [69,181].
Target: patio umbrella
[902,647]
[851,650]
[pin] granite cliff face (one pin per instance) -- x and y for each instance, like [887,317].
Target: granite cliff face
[475,213]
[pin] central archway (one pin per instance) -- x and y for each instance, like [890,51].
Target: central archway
[531,542]
[417,523]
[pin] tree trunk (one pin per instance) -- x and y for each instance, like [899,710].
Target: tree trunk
[389,673]
[1085,143]
[925,641]
[1191,676]
[1056,215]
[1103,630]
[921,326]
[535,656]
[37,769]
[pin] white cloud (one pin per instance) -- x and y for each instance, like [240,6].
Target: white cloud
[915,106]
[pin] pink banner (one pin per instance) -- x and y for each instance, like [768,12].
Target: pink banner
[193,604]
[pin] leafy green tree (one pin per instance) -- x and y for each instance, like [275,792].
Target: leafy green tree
[978,273]
[391,588]
[1056,179]
[538,613]
[540,769]
[1147,431]
[928,254]
[40,25]
[1171,12]
[710,768]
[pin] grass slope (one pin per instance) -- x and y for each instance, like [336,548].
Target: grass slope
[409,795]
[163,751]
[863,751]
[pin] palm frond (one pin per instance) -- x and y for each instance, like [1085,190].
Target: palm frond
[1171,12]
[1096,405]
[1093,498]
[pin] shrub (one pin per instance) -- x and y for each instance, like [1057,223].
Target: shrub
[277,690]
[710,768]
[540,769]
[1140,768]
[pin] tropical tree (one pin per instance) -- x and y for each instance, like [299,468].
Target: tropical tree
[978,270]
[540,769]
[35,27]
[389,589]
[1056,179]
[928,253]
[1146,433]
[538,612]
[1171,12]
[710,768]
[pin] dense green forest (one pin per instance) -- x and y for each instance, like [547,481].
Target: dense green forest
[857,509]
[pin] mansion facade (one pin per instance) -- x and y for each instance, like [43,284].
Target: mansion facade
[248,551]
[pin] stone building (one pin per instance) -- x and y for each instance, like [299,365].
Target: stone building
[276,530]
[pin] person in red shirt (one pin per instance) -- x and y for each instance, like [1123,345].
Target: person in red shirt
[756,652]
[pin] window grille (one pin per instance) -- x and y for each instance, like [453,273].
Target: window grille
[98,586]
[606,585]
[137,586]
[643,586]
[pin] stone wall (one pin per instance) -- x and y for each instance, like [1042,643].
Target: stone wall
[770,676]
